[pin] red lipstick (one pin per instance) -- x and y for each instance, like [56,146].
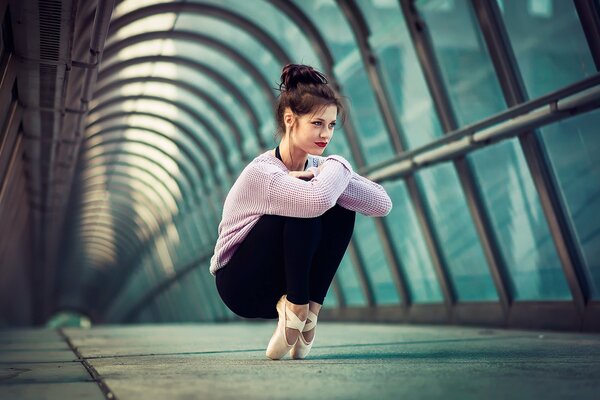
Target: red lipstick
[321,144]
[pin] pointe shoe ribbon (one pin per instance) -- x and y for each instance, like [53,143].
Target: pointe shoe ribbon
[301,349]
[278,345]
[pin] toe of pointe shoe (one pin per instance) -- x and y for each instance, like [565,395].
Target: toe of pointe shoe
[301,349]
[278,346]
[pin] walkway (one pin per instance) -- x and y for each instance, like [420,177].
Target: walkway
[349,361]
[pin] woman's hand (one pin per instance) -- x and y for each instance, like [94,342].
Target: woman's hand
[304,175]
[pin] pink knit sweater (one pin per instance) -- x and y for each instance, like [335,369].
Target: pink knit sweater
[265,187]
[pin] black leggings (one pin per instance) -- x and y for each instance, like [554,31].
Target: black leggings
[285,255]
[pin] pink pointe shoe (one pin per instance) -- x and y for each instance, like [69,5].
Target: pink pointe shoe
[302,347]
[278,345]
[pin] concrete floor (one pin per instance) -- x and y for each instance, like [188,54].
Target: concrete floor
[348,361]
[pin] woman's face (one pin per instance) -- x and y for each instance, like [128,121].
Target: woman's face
[312,132]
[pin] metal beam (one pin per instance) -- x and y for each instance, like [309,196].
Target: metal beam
[494,32]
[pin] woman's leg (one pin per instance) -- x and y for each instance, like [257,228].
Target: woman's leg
[337,226]
[274,259]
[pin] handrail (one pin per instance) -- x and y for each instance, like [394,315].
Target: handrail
[571,100]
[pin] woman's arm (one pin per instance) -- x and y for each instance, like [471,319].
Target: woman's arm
[290,196]
[365,196]
[362,195]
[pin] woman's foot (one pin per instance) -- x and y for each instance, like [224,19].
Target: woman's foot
[301,311]
[288,322]
[302,347]
[314,307]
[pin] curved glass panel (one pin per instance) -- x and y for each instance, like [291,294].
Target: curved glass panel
[402,73]
[349,69]
[228,100]
[279,27]
[549,44]
[348,280]
[572,147]
[330,298]
[461,250]
[165,128]
[518,220]
[463,59]
[406,237]
[239,39]
[140,180]
[170,184]
[375,263]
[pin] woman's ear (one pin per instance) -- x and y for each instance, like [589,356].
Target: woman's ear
[288,118]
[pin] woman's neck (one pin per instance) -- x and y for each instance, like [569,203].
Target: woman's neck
[298,156]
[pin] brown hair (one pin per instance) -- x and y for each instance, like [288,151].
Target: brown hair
[303,89]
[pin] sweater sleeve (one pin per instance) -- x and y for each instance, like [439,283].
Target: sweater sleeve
[362,195]
[365,196]
[293,197]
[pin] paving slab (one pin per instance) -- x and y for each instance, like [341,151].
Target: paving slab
[348,361]
[43,373]
[51,391]
[39,364]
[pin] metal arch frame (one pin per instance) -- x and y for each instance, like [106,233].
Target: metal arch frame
[184,149]
[221,113]
[180,204]
[129,156]
[321,49]
[99,206]
[513,88]
[105,76]
[103,250]
[89,237]
[116,226]
[195,91]
[488,241]
[209,10]
[116,173]
[122,237]
[121,199]
[202,122]
[120,217]
[119,192]
[361,32]
[196,37]
[180,127]
[207,126]
[589,17]
[110,143]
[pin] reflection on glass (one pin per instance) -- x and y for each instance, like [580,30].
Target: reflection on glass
[461,250]
[401,71]
[518,221]
[573,148]
[549,44]
[463,59]
[407,239]
[348,280]
[376,266]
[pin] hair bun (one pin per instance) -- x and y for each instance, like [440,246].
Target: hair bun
[294,74]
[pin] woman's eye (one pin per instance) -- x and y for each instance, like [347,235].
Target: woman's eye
[317,123]
[332,126]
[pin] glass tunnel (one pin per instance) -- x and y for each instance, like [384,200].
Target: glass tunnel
[124,124]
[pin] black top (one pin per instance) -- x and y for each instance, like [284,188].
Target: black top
[278,155]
